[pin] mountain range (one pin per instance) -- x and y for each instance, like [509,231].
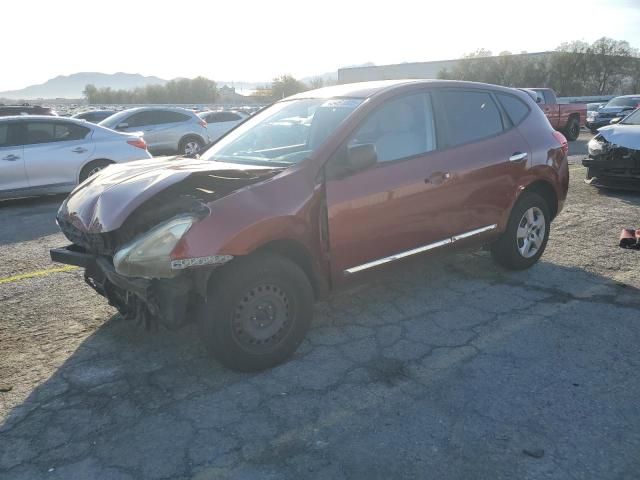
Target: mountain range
[72,86]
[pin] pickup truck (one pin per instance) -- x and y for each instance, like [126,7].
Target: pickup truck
[566,118]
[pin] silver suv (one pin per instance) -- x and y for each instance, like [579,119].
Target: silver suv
[165,129]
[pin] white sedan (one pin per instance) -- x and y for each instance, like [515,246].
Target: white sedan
[220,122]
[45,155]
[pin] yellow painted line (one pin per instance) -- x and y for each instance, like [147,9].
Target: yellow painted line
[37,273]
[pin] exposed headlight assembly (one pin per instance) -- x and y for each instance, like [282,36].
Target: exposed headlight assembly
[148,255]
[596,146]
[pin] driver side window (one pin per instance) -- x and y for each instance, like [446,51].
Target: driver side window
[403,127]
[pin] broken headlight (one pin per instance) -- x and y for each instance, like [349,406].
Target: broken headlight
[148,255]
[597,146]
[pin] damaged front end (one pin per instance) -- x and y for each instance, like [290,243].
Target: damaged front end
[127,253]
[614,158]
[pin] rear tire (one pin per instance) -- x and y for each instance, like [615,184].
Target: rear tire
[190,146]
[92,168]
[257,312]
[525,239]
[572,129]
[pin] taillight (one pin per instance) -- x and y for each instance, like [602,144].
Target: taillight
[203,123]
[138,142]
[562,140]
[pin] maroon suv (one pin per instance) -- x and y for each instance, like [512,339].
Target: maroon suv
[316,190]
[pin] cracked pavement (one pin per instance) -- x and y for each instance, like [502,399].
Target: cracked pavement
[447,367]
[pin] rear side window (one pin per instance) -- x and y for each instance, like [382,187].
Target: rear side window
[515,108]
[469,115]
[223,117]
[160,117]
[45,132]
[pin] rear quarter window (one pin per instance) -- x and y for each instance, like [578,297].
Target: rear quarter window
[469,115]
[516,109]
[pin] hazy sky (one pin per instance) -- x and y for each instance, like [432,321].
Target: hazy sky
[257,40]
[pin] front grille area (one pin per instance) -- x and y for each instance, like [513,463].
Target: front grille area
[96,243]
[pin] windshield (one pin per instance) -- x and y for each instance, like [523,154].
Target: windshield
[624,102]
[632,119]
[283,134]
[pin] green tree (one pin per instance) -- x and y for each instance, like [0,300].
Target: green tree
[607,60]
[316,82]
[285,86]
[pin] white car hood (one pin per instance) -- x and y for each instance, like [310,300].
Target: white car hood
[627,136]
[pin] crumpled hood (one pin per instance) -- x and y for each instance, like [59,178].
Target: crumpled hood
[627,136]
[103,202]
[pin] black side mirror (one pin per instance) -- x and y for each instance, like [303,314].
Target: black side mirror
[361,156]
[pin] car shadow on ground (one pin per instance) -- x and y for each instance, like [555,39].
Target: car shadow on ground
[28,219]
[448,364]
[627,196]
[579,146]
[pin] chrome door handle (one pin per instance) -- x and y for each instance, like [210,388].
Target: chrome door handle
[437,178]
[518,156]
[11,158]
[79,150]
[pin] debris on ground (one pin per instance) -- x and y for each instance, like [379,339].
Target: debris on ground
[535,453]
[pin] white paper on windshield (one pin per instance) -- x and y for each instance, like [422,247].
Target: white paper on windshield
[341,103]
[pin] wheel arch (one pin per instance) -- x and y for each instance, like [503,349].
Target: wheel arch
[546,191]
[187,136]
[89,162]
[300,255]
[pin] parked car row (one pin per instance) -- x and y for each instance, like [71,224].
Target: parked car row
[616,108]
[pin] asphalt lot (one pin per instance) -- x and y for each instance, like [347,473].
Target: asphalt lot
[448,368]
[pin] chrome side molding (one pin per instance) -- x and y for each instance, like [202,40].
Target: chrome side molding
[424,248]
[477,231]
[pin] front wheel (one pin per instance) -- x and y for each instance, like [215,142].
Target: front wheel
[190,146]
[525,239]
[257,312]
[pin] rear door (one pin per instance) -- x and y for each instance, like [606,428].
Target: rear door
[406,204]
[485,151]
[54,152]
[13,175]
[163,129]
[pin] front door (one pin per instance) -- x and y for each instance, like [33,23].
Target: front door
[13,175]
[405,204]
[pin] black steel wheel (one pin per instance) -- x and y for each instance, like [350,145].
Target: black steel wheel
[258,310]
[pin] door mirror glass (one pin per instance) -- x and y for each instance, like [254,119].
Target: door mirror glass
[615,120]
[361,156]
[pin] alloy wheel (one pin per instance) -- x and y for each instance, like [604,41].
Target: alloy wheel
[531,232]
